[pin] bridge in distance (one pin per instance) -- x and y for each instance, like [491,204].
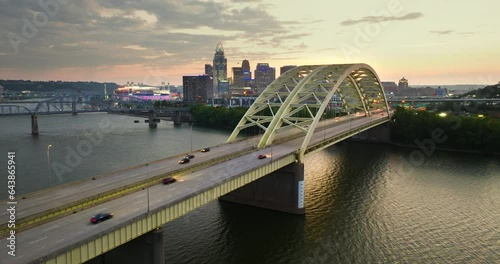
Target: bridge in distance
[292,112]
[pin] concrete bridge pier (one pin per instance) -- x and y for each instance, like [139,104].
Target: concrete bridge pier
[281,190]
[178,118]
[148,249]
[73,108]
[34,124]
[152,119]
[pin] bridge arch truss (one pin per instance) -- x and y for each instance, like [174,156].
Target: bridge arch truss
[12,109]
[300,96]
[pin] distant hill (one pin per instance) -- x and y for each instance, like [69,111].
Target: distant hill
[460,87]
[56,86]
[492,91]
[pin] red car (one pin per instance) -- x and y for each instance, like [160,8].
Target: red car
[261,156]
[169,180]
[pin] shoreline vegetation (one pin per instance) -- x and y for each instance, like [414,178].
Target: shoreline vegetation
[409,128]
[449,132]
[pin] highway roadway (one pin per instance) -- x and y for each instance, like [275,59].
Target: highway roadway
[35,243]
[47,199]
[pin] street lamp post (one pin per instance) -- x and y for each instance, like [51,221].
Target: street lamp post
[271,154]
[147,188]
[191,136]
[48,162]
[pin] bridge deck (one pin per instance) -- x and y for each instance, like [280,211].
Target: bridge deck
[63,235]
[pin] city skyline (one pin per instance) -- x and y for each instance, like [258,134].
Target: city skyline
[438,43]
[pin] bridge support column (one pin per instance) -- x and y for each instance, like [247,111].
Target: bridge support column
[281,190]
[152,119]
[34,124]
[148,248]
[73,108]
[178,118]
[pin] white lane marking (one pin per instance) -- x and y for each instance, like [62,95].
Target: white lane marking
[140,195]
[102,209]
[38,240]
[120,176]
[50,228]
[20,213]
[136,209]
[137,202]
[60,240]
[102,184]
[40,248]
[79,232]
[41,198]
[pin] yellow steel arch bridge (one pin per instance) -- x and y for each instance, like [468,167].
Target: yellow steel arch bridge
[299,97]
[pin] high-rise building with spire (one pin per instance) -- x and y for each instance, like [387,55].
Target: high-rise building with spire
[221,85]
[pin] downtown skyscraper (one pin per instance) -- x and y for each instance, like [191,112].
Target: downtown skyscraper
[221,85]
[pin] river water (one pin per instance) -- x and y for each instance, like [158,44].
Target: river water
[364,204]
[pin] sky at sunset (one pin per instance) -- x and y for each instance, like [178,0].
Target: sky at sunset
[439,42]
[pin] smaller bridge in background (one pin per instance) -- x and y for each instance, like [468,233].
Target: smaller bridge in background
[79,103]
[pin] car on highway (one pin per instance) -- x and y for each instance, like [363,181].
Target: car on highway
[184,160]
[169,180]
[261,156]
[189,156]
[205,150]
[100,217]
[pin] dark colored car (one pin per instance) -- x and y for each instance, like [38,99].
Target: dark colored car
[101,217]
[261,156]
[189,156]
[184,160]
[205,150]
[169,180]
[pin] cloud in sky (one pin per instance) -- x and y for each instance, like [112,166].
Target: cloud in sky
[105,40]
[450,32]
[442,32]
[378,19]
[94,32]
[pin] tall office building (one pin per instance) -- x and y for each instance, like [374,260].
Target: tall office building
[285,68]
[245,65]
[264,75]
[247,73]
[209,70]
[238,77]
[403,84]
[197,89]
[220,72]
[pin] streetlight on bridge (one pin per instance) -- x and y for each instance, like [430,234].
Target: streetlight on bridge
[147,181]
[191,136]
[48,163]
[147,188]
